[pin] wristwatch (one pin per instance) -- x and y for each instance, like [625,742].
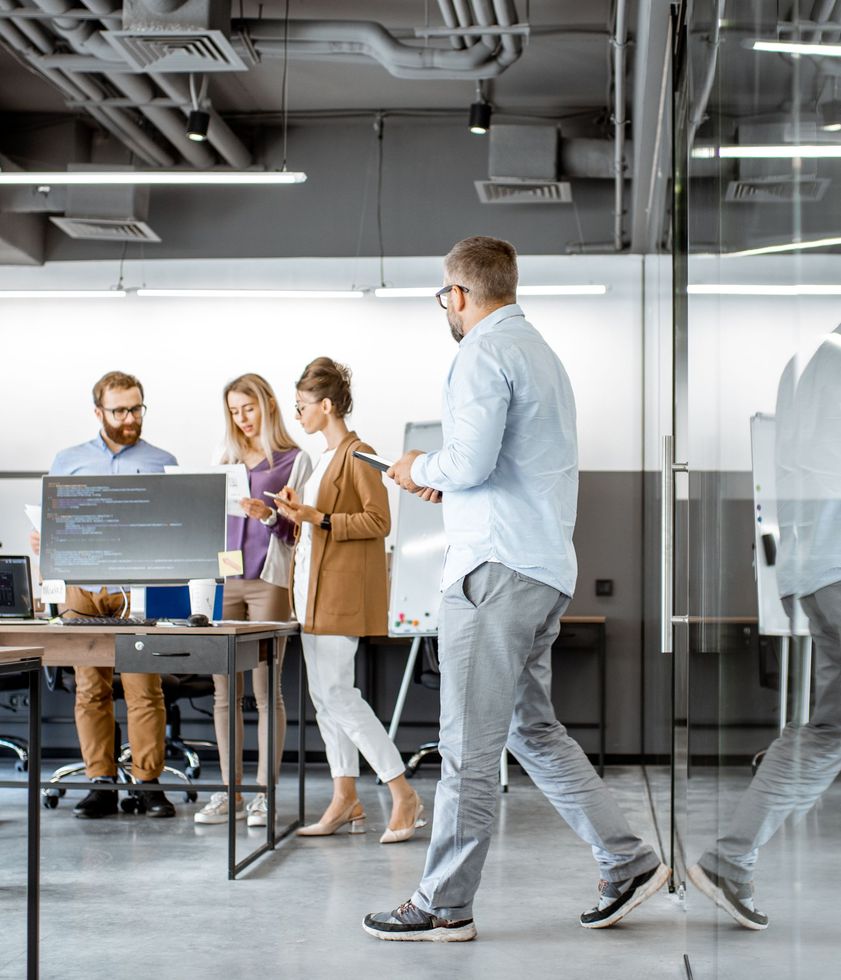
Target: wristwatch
[325,524]
[271,520]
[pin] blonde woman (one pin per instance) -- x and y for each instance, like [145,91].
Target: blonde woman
[339,589]
[256,436]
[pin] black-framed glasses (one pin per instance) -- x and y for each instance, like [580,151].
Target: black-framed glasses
[121,414]
[442,293]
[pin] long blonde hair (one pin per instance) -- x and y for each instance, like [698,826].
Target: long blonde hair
[273,434]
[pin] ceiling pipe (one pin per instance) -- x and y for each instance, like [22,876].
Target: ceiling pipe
[821,12]
[619,42]
[699,112]
[502,14]
[451,19]
[464,14]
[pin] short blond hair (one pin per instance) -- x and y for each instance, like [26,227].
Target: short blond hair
[486,266]
[114,379]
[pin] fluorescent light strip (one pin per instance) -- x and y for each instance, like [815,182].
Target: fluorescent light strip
[787,247]
[758,289]
[780,151]
[408,292]
[62,293]
[254,293]
[799,47]
[61,178]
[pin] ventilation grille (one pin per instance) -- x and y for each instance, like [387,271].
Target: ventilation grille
[775,190]
[524,192]
[106,230]
[176,51]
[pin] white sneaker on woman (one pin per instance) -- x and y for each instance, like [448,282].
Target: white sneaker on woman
[258,811]
[216,810]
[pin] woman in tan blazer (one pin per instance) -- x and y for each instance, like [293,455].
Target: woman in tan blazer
[339,588]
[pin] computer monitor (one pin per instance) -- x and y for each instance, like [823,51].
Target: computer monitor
[138,530]
[15,588]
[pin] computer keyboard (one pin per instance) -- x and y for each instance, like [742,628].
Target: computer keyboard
[109,621]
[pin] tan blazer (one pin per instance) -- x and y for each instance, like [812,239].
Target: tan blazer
[348,587]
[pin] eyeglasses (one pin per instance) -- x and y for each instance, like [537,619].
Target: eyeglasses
[120,414]
[441,295]
[300,406]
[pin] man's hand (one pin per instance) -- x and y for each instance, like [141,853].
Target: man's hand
[401,472]
[35,542]
[430,495]
[255,508]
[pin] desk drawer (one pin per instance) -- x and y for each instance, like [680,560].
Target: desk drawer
[182,654]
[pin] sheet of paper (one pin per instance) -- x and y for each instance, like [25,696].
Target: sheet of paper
[230,563]
[53,590]
[237,485]
[33,512]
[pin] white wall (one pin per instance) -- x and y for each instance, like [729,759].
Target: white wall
[184,350]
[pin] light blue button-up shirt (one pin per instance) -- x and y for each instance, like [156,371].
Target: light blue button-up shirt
[508,468]
[95,458]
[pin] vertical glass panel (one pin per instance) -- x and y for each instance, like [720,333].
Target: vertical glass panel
[761,416]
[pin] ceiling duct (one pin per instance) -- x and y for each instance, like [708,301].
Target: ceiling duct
[523,167]
[176,36]
[109,213]
[776,181]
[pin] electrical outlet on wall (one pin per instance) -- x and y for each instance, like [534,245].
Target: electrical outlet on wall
[604,586]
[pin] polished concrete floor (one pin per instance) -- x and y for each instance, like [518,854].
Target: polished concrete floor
[131,896]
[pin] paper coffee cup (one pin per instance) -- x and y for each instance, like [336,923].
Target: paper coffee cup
[202,596]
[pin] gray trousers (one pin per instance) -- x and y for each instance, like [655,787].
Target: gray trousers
[801,763]
[496,630]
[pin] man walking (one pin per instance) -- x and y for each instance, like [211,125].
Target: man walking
[508,472]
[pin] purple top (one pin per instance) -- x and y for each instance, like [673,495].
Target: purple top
[249,535]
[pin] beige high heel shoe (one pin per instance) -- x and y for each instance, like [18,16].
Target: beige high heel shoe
[396,836]
[329,827]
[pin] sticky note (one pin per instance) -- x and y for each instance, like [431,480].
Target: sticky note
[230,563]
[53,590]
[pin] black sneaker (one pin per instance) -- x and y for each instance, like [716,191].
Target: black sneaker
[98,803]
[409,923]
[153,802]
[734,897]
[618,898]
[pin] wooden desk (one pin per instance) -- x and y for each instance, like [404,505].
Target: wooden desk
[27,659]
[227,648]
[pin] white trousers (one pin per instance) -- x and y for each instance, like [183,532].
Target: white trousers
[346,721]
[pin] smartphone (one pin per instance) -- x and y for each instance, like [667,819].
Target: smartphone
[269,493]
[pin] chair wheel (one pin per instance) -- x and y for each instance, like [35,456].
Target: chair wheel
[22,765]
[193,771]
[191,796]
[62,791]
[129,805]
[49,802]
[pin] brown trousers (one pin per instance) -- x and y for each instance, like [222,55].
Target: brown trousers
[252,599]
[95,704]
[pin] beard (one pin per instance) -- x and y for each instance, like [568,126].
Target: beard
[456,326]
[125,434]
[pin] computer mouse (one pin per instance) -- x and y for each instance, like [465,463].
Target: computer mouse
[198,619]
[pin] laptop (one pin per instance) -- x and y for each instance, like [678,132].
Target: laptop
[15,588]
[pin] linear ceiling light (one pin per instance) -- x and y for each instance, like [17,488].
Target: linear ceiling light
[586,289]
[811,151]
[59,178]
[786,247]
[254,293]
[799,47]
[760,289]
[62,293]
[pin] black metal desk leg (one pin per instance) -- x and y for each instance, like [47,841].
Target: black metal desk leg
[602,631]
[233,703]
[302,733]
[271,748]
[34,827]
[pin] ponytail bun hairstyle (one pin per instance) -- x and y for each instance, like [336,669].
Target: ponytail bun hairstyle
[326,378]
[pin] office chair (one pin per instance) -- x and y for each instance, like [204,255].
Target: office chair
[175,687]
[427,673]
[14,683]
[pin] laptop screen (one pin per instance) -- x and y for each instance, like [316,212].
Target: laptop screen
[15,588]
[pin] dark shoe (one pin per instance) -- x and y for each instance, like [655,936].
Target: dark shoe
[736,898]
[98,803]
[409,923]
[618,898]
[153,802]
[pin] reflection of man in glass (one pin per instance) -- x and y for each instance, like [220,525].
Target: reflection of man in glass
[803,761]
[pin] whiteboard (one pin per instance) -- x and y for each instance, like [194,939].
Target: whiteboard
[772,618]
[419,548]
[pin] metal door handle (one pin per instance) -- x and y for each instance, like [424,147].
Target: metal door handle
[667,543]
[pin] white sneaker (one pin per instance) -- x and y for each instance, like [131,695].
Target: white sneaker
[216,810]
[258,811]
